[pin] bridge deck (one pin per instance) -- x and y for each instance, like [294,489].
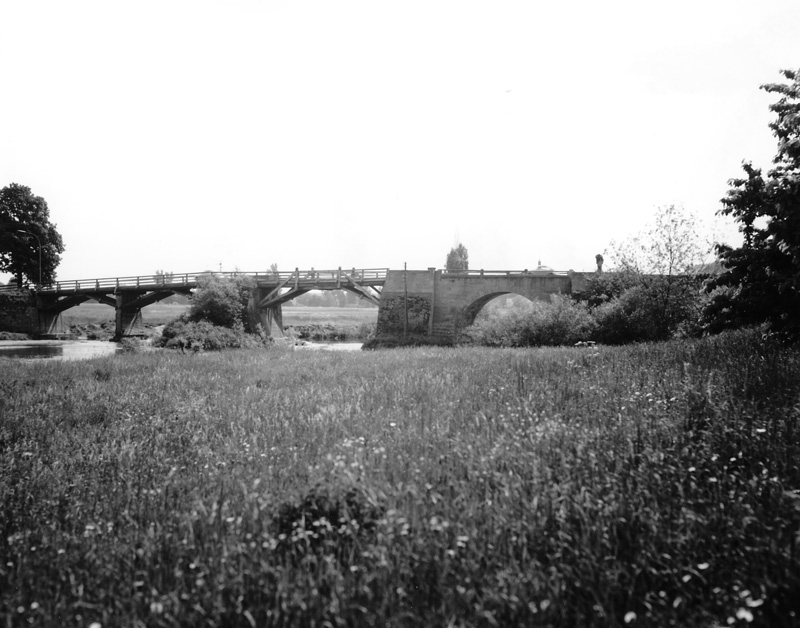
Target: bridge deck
[310,279]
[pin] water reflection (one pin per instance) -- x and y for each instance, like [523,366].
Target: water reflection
[331,346]
[56,349]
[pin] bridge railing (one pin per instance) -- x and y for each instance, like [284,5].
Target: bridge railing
[338,275]
[138,281]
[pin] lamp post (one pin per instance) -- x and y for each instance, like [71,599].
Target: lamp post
[39,242]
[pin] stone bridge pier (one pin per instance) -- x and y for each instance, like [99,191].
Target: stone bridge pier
[438,303]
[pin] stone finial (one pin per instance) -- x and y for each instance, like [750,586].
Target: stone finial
[599,259]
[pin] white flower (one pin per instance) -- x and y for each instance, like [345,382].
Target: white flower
[745,614]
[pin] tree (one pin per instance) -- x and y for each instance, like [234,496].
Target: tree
[670,246]
[222,301]
[26,234]
[457,258]
[761,279]
[654,292]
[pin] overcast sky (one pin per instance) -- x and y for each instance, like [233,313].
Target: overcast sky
[181,135]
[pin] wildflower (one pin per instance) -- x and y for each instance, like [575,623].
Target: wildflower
[629,617]
[745,614]
[702,566]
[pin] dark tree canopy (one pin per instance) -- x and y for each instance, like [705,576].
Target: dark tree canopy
[457,258]
[24,225]
[761,281]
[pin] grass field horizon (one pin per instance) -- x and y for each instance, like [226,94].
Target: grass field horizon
[650,485]
[161,313]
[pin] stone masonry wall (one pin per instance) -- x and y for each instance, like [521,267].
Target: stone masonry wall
[392,312]
[418,285]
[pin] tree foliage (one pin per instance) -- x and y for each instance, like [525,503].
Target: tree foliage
[654,292]
[761,281]
[457,258]
[221,301]
[24,224]
[671,245]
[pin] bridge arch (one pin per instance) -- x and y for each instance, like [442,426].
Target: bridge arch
[471,311]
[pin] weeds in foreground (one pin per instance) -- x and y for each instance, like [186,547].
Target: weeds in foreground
[650,485]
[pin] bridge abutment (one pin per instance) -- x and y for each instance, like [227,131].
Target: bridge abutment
[407,304]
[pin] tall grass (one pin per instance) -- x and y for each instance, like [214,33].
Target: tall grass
[648,485]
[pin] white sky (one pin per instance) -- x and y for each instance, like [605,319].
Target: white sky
[181,134]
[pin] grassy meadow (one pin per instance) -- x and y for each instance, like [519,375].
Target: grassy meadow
[649,485]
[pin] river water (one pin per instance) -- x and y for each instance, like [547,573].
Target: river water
[331,346]
[82,349]
[56,349]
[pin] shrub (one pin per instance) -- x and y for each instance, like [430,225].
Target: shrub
[217,318]
[183,334]
[658,310]
[221,301]
[562,321]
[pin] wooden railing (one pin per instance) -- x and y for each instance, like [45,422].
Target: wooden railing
[190,280]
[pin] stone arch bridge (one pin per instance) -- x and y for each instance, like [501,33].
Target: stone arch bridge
[430,302]
[441,303]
